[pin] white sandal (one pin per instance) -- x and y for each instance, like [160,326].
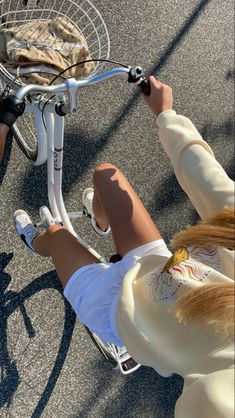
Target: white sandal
[25,228]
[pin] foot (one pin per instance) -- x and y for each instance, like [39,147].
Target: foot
[87,198]
[25,228]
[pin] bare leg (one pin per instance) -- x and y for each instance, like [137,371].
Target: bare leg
[116,204]
[67,253]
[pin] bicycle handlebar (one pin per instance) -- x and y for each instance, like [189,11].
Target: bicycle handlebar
[134,74]
[13,106]
[63,87]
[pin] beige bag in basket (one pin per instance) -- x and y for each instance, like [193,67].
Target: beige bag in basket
[44,46]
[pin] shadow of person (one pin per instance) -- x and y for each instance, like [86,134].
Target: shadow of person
[230,75]
[9,374]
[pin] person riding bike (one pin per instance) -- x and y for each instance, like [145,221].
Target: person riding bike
[173,312]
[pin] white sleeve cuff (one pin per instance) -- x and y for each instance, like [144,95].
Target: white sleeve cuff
[164,116]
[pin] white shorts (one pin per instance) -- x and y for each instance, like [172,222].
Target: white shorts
[93,290]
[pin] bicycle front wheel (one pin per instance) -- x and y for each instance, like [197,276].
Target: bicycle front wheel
[30,134]
[25,134]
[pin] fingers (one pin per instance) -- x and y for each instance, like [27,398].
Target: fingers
[161,98]
[155,82]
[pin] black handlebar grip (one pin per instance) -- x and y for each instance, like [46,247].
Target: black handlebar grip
[10,109]
[145,86]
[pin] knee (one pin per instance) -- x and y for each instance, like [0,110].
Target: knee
[104,172]
[104,166]
[54,232]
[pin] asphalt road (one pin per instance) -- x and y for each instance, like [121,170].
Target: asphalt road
[51,368]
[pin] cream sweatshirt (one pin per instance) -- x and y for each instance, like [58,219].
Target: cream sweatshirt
[151,334]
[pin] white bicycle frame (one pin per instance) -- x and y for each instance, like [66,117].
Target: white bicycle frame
[50,137]
[50,140]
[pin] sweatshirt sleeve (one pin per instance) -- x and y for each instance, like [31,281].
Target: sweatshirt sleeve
[210,396]
[199,174]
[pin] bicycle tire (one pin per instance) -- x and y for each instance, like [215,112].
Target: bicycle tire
[101,347]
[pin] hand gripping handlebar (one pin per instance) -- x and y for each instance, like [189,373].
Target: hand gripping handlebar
[10,109]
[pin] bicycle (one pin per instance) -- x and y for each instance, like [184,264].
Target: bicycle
[46,107]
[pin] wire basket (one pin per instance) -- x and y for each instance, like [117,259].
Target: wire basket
[82,14]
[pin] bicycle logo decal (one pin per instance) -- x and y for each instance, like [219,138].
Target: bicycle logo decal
[58,159]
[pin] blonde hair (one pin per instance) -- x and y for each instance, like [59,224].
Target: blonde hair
[217,230]
[211,304]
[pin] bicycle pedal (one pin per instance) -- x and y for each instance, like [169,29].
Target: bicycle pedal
[129,365]
[86,213]
[125,363]
[40,225]
[75,215]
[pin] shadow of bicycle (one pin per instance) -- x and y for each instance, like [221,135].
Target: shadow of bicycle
[6,157]
[26,356]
